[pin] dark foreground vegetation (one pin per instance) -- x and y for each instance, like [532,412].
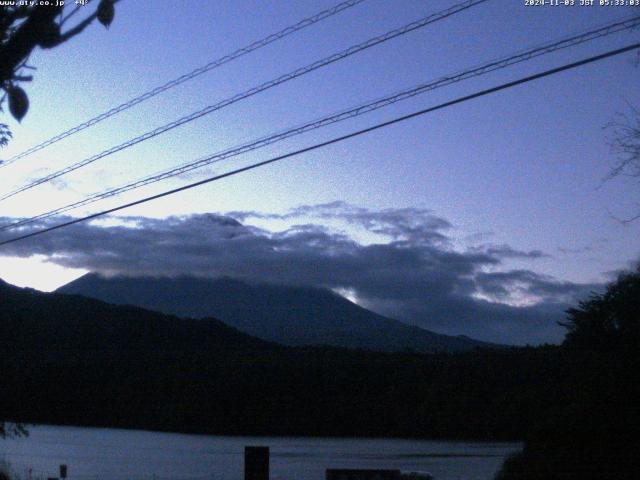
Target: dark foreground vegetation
[73,360]
[595,433]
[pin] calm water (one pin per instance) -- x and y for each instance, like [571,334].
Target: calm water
[96,454]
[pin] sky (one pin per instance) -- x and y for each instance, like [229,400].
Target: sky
[487,218]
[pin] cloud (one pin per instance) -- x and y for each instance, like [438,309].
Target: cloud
[409,224]
[588,248]
[415,275]
[505,251]
[537,288]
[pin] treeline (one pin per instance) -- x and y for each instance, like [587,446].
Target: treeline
[71,360]
[595,433]
[314,391]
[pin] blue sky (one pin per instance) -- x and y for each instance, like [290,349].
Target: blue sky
[522,168]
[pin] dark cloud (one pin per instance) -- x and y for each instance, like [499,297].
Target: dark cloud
[409,224]
[505,251]
[415,276]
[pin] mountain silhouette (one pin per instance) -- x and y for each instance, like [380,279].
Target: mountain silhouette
[293,316]
[72,360]
[71,324]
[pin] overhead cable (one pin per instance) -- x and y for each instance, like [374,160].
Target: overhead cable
[252,91]
[526,55]
[335,140]
[186,77]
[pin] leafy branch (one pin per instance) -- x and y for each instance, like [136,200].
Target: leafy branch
[23,28]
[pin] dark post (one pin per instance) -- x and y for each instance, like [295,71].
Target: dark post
[256,463]
[63,471]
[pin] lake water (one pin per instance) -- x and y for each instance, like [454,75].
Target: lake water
[96,454]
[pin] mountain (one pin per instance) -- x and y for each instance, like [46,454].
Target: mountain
[32,321]
[293,316]
[68,359]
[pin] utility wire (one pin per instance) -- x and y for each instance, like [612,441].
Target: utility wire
[342,138]
[253,91]
[186,77]
[609,29]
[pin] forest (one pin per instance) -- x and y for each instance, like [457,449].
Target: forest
[73,360]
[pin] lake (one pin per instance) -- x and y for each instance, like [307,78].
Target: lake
[96,454]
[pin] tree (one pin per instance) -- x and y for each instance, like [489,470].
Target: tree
[594,433]
[608,320]
[625,144]
[24,28]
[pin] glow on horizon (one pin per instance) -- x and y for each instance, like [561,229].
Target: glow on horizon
[36,272]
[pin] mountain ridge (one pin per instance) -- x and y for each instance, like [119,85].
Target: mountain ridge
[73,360]
[75,323]
[292,316]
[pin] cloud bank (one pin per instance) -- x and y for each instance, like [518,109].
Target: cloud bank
[413,273]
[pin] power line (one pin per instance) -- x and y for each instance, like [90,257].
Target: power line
[549,47]
[188,76]
[342,138]
[253,91]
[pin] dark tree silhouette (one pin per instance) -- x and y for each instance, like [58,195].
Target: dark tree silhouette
[624,142]
[610,320]
[23,28]
[594,434]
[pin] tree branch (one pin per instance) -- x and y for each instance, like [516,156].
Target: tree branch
[75,30]
[78,28]
[71,14]
[25,39]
